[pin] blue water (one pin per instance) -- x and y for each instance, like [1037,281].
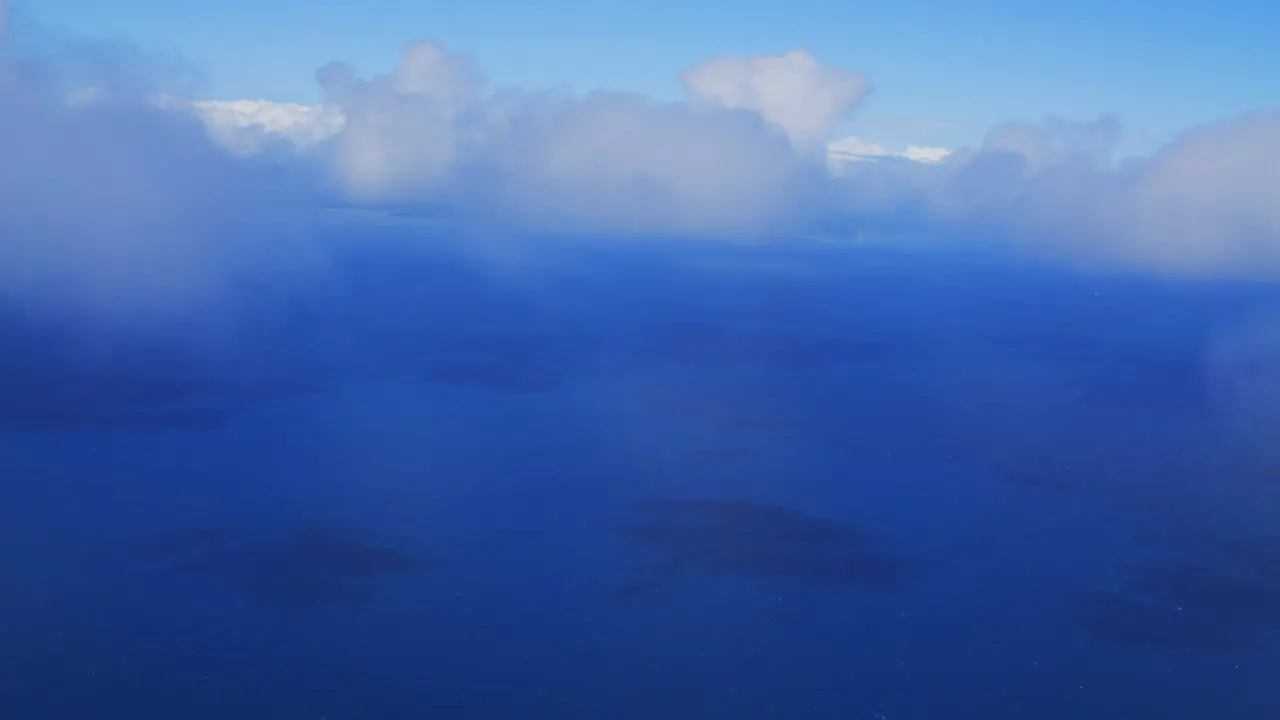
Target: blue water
[647,480]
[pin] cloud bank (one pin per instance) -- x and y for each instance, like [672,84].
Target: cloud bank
[749,152]
[116,197]
[1207,203]
[738,158]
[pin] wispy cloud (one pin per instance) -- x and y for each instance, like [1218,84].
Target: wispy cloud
[109,205]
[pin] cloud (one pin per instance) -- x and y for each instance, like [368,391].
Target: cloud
[793,91]
[1056,141]
[250,127]
[925,153]
[112,207]
[430,130]
[853,149]
[111,198]
[745,155]
[1207,203]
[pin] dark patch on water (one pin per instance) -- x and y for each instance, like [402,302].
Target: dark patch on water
[1156,385]
[507,362]
[301,568]
[55,402]
[1225,599]
[764,541]
[52,398]
[744,415]
[636,591]
[1052,481]
[1155,625]
[1127,373]
[47,385]
[498,375]
[710,342]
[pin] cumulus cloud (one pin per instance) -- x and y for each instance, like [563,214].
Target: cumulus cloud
[749,153]
[1210,200]
[430,130]
[793,91]
[249,127]
[1205,204]
[405,133]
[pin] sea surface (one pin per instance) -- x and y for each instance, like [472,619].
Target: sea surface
[649,479]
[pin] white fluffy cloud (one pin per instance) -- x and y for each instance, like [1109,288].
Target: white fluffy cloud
[607,161]
[793,91]
[855,150]
[251,126]
[1206,203]
[740,158]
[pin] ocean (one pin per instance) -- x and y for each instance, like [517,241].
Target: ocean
[555,478]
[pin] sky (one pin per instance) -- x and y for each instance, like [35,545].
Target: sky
[942,72]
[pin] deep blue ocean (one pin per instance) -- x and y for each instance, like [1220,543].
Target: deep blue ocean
[583,480]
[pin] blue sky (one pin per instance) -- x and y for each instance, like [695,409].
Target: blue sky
[943,72]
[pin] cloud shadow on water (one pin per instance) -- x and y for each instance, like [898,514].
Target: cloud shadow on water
[510,362]
[1227,599]
[47,384]
[70,401]
[1111,370]
[304,567]
[711,341]
[767,542]
[1155,625]
[1173,387]
[1052,480]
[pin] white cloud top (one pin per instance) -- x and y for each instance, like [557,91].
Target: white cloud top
[853,149]
[250,126]
[793,91]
